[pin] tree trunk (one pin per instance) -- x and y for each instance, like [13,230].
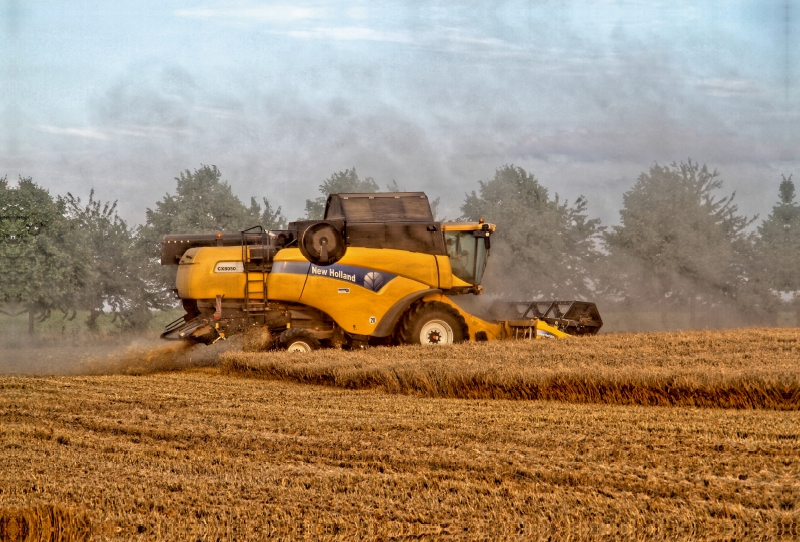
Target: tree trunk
[92,323]
[31,313]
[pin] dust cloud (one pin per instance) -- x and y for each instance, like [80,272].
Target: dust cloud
[433,99]
[141,355]
[542,88]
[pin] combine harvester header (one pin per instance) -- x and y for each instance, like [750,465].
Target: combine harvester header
[378,269]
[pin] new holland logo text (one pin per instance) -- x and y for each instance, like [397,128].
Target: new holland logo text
[332,273]
[371,280]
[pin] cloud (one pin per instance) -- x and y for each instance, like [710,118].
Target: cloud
[218,112]
[248,14]
[470,37]
[107,133]
[729,88]
[89,133]
[347,33]
[454,40]
[151,131]
[280,107]
[664,143]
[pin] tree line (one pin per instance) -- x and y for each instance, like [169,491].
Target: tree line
[679,246]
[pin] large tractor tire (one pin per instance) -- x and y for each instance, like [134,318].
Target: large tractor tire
[298,340]
[433,323]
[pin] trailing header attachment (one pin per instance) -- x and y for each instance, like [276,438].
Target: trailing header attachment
[570,317]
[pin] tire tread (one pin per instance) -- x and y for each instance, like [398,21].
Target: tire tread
[404,332]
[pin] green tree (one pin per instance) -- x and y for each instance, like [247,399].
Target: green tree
[778,245]
[679,246]
[203,203]
[42,266]
[115,276]
[341,182]
[270,218]
[543,248]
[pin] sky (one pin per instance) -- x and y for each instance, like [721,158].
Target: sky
[124,96]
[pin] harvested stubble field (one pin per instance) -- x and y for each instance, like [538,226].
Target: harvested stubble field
[210,452]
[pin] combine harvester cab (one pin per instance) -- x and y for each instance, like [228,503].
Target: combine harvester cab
[378,269]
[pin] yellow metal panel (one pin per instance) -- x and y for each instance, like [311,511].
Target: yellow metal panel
[445,272]
[197,280]
[494,330]
[544,326]
[458,283]
[289,255]
[285,286]
[196,277]
[411,265]
[466,226]
[355,308]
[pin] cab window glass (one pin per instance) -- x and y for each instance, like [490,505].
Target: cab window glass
[461,247]
[480,259]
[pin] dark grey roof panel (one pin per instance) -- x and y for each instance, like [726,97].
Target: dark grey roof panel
[379,207]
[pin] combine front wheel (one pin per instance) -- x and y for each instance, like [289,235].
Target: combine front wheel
[432,323]
[298,340]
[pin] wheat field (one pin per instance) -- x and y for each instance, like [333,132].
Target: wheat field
[247,449]
[750,368]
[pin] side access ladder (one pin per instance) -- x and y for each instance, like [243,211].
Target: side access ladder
[257,264]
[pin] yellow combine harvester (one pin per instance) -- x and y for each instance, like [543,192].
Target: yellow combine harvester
[378,269]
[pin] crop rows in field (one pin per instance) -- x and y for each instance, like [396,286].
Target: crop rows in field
[204,455]
[752,368]
[213,453]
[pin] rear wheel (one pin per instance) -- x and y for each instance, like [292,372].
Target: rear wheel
[433,323]
[298,340]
